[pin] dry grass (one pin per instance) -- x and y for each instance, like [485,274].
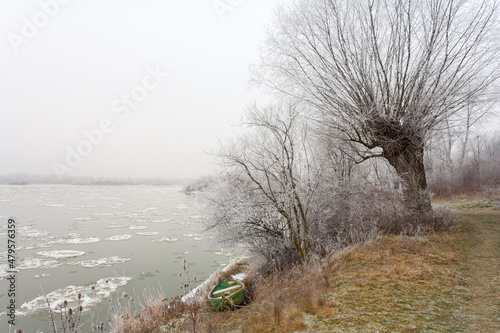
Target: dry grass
[392,284]
[154,311]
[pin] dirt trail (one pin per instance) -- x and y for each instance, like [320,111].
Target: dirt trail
[482,261]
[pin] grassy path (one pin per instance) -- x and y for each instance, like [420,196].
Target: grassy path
[481,253]
[447,282]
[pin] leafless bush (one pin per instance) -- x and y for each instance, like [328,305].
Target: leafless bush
[198,184]
[340,214]
[457,168]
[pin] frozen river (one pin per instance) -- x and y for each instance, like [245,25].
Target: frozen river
[98,241]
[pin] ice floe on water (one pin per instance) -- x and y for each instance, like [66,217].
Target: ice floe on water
[151,210]
[41,276]
[54,205]
[224,252]
[162,221]
[137,227]
[165,239]
[29,231]
[119,237]
[61,254]
[3,271]
[195,237]
[102,262]
[116,226]
[147,233]
[83,218]
[91,294]
[102,214]
[38,263]
[77,239]
[71,239]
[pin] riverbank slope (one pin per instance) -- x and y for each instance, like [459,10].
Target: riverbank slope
[447,281]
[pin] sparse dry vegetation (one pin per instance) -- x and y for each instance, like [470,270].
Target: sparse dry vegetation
[156,310]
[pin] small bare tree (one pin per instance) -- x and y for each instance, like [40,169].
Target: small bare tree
[384,75]
[271,177]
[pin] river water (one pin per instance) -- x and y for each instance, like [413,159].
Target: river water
[99,241]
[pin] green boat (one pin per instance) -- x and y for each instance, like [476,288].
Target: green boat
[227,294]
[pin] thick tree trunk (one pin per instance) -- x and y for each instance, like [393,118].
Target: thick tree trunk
[409,165]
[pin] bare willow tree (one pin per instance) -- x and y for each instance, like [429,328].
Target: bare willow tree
[384,75]
[271,179]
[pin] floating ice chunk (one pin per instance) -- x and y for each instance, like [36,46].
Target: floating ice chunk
[165,239]
[137,227]
[54,205]
[162,221]
[3,271]
[224,252]
[31,232]
[78,240]
[41,276]
[91,296]
[115,226]
[147,233]
[103,214]
[194,237]
[58,254]
[150,209]
[102,262]
[119,237]
[71,239]
[32,263]
[145,275]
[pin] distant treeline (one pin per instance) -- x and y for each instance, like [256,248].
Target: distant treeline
[24,179]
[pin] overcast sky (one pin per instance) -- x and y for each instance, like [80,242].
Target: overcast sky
[124,88]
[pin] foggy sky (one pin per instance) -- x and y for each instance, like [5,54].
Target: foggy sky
[123,88]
